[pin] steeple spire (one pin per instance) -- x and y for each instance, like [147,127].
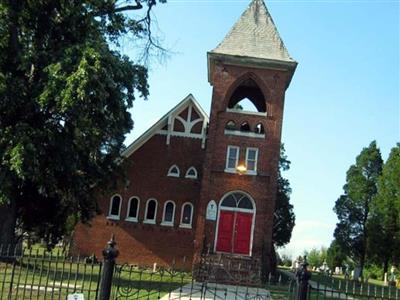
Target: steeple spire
[255,36]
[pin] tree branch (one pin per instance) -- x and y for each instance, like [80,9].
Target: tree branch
[151,43]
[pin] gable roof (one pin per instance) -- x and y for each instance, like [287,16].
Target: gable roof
[255,36]
[141,140]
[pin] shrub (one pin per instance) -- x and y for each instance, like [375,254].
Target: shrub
[373,272]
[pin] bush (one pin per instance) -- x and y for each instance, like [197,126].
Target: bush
[373,272]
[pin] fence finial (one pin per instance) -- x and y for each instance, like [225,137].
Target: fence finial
[303,276]
[110,253]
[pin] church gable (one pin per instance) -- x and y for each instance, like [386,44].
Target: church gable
[187,119]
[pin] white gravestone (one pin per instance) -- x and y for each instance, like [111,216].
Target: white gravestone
[76,297]
[211,213]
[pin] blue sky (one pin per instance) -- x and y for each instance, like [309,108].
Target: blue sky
[344,94]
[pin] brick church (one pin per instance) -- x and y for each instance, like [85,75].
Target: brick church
[205,184]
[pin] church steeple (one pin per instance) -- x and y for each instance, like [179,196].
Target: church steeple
[254,39]
[250,71]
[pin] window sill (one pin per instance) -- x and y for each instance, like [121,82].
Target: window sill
[186,226]
[252,173]
[114,218]
[246,112]
[131,220]
[168,224]
[244,133]
[191,177]
[233,171]
[149,222]
[173,175]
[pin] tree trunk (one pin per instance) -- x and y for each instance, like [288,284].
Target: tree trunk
[362,263]
[8,217]
[274,260]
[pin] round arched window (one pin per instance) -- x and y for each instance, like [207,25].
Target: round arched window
[237,200]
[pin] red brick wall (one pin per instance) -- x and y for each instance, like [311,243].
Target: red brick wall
[147,173]
[147,169]
[216,182]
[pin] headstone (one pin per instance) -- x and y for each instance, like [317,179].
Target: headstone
[76,297]
[211,213]
[293,267]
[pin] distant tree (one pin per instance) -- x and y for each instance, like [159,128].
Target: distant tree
[384,223]
[316,257]
[284,217]
[65,92]
[335,256]
[353,207]
[286,260]
[238,107]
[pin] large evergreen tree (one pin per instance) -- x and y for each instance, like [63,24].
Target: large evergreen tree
[284,218]
[335,256]
[353,207]
[384,224]
[64,96]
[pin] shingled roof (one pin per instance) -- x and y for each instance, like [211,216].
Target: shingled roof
[254,35]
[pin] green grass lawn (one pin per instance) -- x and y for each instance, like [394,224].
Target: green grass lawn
[336,287]
[351,287]
[31,278]
[40,279]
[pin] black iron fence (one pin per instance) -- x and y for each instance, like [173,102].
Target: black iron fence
[213,278]
[29,274]
[304,287]
[45,275]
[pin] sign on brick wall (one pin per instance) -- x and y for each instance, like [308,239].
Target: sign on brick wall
[211,211]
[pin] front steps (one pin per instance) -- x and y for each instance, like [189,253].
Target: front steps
[228,269]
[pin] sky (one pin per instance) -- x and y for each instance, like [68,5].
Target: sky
[344,94]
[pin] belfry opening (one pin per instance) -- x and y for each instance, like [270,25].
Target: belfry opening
[247,93]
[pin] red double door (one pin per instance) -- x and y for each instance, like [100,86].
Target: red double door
[234,232]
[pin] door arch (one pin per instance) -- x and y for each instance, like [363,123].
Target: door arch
[235,225]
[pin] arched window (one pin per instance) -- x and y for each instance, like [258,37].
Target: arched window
[230,125]
[133,209]
[115,207]
[186,215]
[248,97]
[174,171]
[237,200]
[259,128]
[169,213]
[245,126]
[191,173]
[151,211]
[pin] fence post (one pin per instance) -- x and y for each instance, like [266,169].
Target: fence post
[303,276]
[109,256]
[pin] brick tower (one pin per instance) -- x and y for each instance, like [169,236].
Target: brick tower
[238,191]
